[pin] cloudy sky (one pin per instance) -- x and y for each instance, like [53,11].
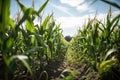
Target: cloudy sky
[71,14]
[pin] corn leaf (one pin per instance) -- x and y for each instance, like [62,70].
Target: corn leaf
[25,16]
[112,3]
[46,21]
[30,26]
[49,55]
[0,8]
[23,8]
[4,14]
[9,42]
[111,51]
[12,24]
[23,59]
[42,7]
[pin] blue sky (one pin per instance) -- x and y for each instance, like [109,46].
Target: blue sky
[71,14]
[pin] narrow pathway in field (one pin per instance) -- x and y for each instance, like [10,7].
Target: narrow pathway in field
[64,69]
[55,68]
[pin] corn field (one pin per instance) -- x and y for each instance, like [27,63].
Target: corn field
[26,42]
[99,43]
[26,47]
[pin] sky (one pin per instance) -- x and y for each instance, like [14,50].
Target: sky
[70,14]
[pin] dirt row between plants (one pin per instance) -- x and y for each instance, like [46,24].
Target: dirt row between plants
[59,70]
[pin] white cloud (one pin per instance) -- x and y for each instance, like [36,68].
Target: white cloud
[91,10]
[79,5]
[68,22]
[72,3]
[61,8]
[70,25]
[82,7]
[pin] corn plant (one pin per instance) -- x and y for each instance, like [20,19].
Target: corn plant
[8,42]
[22,40]
[96,38]
[99,42]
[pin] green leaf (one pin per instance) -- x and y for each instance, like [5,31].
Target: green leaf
[33,49]
[32,39]
[42,7]
[9,42]
[6,60]
[23,8]
[4,15]
[0,8]
[25,16]
[111,51]
[105,34]
[51,26]
[107,66]
[23,59]
[112,3]
[12,24]
[43,43]
[49,55]
[46,21]
[114,19]
[108,25]
[114,25]
[30,26]
[40,40]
